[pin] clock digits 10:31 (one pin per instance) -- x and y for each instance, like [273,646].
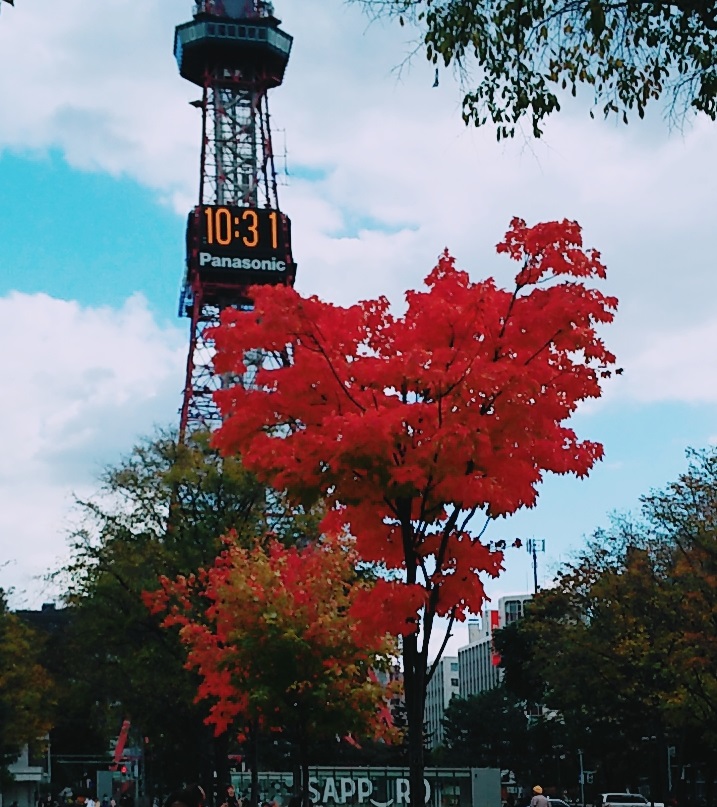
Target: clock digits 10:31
[254,229]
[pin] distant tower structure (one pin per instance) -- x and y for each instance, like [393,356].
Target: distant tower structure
[236,235]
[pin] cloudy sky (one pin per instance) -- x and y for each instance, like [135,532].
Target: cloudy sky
[99,152]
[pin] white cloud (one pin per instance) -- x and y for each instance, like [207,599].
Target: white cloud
[98,81]
[80,385]
[675,366]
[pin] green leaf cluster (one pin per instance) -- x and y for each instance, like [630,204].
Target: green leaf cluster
[520,55]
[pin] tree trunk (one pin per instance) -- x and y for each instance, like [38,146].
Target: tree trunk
[414,678]
[221,763]
[414,667]
[305,801]
[254,764]
[206,762]
[295,773]
[301,763]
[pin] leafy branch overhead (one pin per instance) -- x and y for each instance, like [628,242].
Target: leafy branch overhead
[523,53]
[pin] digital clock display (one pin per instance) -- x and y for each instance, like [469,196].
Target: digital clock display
[242,239]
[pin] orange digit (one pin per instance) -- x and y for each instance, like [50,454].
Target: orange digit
[253,228]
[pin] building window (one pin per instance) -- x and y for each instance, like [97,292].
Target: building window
[513,611]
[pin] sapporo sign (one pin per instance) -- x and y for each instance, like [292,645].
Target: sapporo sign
[361,790]
[370,787]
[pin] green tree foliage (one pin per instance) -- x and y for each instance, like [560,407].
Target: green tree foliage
[26,690]
[161,511]
[522,678]
[488,730]
[527,51]
[497,729]
[632,622]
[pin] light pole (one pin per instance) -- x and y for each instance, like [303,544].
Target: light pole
[582,777]
[670,754]
[535,545]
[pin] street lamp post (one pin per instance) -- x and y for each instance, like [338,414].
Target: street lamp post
[670,755]
[535,545]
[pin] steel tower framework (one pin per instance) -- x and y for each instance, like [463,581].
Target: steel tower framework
[236,52]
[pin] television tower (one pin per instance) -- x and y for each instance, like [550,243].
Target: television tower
[236,235]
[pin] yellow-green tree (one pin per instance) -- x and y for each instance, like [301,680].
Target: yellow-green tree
[271,632]
[624,644]
[26,691]
[162,509]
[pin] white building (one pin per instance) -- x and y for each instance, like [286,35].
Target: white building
[478,661]
[28,773]
[441,688]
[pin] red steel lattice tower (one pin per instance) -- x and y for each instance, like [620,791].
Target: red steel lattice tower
[236,235]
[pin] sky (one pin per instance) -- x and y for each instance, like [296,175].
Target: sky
[99,162]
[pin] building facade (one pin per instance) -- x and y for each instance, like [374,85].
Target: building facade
[444,684]
[28,774]
[478,662]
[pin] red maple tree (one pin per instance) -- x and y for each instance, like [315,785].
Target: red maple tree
[409,426]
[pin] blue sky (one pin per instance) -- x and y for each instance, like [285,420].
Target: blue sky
[86,236]
[99,152]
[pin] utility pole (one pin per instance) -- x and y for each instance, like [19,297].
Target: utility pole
[582,777]
[535,545]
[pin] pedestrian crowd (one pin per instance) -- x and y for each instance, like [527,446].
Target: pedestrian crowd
[188,796]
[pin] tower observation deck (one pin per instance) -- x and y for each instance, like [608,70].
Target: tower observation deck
[237,235]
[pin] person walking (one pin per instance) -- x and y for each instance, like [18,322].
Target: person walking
[229,797]
[539,800]
[190,796]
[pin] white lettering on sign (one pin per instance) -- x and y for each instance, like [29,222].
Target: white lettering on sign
[347,788]
[329,791]
[361,789]
[258,264]
[365,788]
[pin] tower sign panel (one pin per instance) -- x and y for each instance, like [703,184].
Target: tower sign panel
[252,243]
